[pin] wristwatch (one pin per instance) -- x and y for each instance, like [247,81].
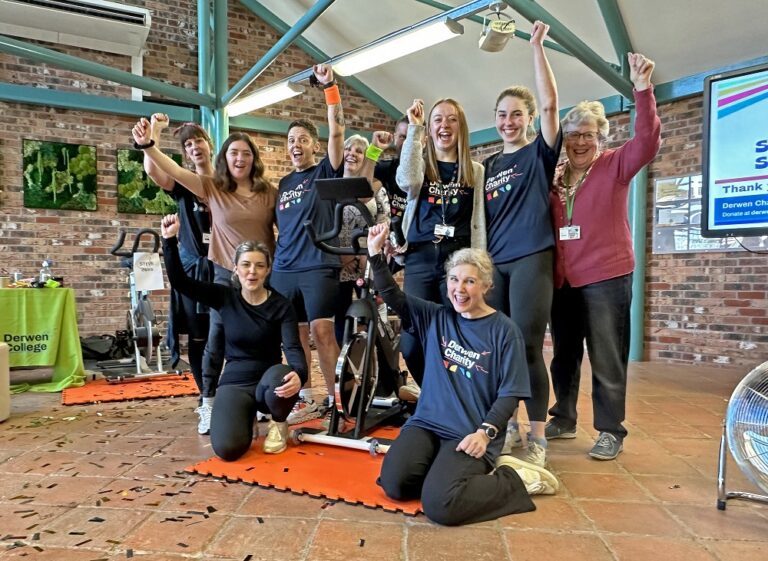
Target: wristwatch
[490,431]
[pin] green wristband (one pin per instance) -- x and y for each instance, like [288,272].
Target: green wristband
[373,152]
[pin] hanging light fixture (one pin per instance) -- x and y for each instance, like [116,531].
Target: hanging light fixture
[396,45]
[265,96]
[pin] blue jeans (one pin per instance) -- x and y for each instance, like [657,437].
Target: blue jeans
[599,313]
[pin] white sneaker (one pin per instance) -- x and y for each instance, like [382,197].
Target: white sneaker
[409,392]
[204,424]
[537,480]
[537,454]
[277,438]
[304,410]
[512,439]
[262,417]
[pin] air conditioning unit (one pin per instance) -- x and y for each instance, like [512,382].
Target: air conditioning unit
[91,24]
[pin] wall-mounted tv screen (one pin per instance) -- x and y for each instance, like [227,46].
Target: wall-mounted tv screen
[735,154]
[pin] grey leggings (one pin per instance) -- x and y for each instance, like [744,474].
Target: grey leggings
[235,409]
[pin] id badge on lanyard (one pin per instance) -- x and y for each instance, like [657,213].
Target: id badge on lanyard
[570,233]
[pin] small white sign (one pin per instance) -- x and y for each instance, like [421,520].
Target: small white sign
[147,272]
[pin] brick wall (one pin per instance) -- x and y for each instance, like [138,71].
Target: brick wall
[700,308]
[78,242]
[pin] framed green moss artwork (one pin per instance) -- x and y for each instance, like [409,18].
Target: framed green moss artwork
[136,192]
[58,175]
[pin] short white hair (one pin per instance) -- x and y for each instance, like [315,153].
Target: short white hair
[587,112]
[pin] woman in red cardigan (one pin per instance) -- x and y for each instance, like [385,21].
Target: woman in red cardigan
[594,261]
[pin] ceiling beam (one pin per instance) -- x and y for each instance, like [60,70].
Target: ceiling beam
[285,41]
[477,19]
[14,93]
[281,27]
[617,30]
[532,11]
[61,60]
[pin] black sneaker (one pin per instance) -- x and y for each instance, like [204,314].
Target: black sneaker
[552,431]
[607,447]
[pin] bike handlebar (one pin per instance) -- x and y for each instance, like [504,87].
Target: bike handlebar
[321,240]
[136,242]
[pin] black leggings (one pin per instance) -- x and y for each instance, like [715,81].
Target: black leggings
[523,290]
[455,488]
[235,409]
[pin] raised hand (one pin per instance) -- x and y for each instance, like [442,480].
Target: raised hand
[416,112]
[382,139]
[538,33]
[169,226]
[323,73]
[142,132]
[377,237]
[640,70]
[158,122]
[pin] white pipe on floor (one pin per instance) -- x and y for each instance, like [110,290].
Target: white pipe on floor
[364,445]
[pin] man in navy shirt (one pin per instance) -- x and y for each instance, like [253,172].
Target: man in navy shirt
[302,273]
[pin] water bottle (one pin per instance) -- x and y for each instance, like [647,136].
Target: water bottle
[45,272]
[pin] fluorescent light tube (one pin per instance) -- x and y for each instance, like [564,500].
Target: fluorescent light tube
[399,45]
[263,97]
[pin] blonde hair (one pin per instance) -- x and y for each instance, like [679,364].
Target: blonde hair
[478,258]
[466,170]
[584,112]
[356,140]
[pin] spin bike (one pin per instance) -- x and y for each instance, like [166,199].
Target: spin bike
[368,369]
[141,321]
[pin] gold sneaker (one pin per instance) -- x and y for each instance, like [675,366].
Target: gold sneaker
[277,438]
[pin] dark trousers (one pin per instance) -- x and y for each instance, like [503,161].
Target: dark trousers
[213,357]
[235,409]
[455,488]
[599,313]
[425,278]
[522,289]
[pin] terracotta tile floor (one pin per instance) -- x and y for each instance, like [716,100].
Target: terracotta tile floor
[100,483]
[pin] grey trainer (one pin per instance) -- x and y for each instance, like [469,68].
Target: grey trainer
[607,447]
[552,431]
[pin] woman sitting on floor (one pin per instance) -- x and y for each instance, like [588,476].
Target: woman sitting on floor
[475,374]
[257,321]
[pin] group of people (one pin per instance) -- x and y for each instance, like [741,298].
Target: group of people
[492,253]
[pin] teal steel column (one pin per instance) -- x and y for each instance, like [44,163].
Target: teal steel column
[285,41]
[76,64]
[637,225]
[532,11]
[220,70]
[204,60]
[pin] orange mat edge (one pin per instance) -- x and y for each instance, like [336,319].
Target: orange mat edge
[101,391]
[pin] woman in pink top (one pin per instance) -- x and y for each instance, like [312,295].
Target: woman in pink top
[594,261]
[242,205]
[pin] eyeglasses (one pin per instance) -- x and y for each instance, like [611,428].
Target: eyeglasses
[587,136]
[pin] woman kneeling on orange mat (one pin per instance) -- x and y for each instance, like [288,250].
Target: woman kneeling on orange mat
[257,322]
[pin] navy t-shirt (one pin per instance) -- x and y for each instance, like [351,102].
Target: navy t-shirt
[469,363]
[297,201]
[194,222]
[446,202]
[517,200]
[385,172]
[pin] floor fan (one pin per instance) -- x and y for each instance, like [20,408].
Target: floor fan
[745,434]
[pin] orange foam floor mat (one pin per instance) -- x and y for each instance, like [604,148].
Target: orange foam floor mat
[317,470]
[102,391]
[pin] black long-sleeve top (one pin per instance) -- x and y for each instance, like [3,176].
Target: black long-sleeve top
[475,370]
[253,335]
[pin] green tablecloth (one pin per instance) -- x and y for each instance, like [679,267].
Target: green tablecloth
[40,327]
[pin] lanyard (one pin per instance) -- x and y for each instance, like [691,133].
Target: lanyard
[445,189]
[570,196]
